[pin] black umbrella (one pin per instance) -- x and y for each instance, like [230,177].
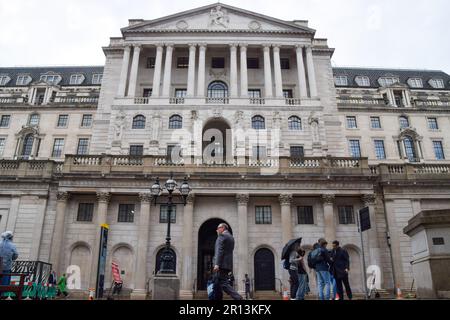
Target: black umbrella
[288,248]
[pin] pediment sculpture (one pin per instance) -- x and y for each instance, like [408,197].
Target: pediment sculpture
[219,17]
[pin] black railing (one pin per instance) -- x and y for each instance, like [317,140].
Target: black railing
[35,271]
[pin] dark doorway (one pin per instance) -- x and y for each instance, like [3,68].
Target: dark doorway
[264,270]
[206,240]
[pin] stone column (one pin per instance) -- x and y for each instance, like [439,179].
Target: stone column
[394,233]
[191,71]
[140,278]
[244,68]
[311,72]
[58,231]
[328,218]
[167,71]
[286,216]
[124,72]
[303,92]
[187,274]
[277,69]
[102,211]
[374,244]
[201,71]
[242,204]
[233,71]
[134,71]
[267,72]
[157,73]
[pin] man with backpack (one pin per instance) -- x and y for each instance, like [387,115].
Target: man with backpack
[319,260]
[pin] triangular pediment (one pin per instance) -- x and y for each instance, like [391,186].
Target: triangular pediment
[218,18]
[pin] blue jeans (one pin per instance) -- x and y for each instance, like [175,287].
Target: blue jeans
[5,279]
[333,283]
[323,282]
[301,291]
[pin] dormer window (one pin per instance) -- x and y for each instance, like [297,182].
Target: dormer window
[341,80]
[4,79]
[52,79]
[437,83]
[23,80]
[415,82]
[388,81]
[97,78]
[76,79]
[362,81]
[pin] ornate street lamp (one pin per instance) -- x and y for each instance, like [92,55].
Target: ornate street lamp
[167,257]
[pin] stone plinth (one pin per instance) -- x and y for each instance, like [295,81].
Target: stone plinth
[166,287]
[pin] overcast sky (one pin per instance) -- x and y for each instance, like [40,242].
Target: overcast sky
[376,33]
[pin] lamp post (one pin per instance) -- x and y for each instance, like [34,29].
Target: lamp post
[167,257]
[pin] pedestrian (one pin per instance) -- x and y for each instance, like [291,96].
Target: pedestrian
[319,259]
[294,259]
[302,276]
[8,253]
[62,286]
[247,287]
[341,267]
[223,259]
[52,278]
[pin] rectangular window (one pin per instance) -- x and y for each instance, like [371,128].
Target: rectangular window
[263,215]
[297,152]
[346,215]
[83,145]
[375,122]
[97,78]
[355,149]
[2,145]
[252,63]
[182,62]
[85,212]
[147,93]
[305,215]
[287,94]
[126,213]
[62,120]
[351,123]
[438,150]
[341,81]
[86,122]
[432,124]
[379,149]
[22,80]
[34,120]
[218,63]
[254,93]
[58,148]
[285,64]
[4,122]
[164,213]
[259,152]
[180,93]
[151,63]
[136,150]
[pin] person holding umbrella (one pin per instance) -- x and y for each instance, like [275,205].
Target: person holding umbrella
[291,259]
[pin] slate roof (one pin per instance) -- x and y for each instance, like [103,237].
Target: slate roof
[64,72]
[374,74]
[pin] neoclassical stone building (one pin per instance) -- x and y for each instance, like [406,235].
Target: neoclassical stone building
[274,141]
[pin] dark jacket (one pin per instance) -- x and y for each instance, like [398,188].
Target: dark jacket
[325,262]
[223,253]
[341,261]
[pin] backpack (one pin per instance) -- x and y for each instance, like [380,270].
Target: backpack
[314,257]
[286,264]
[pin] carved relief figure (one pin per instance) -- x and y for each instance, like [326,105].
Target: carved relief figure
[314,123]
[119,124]
[219,17]
[155,127]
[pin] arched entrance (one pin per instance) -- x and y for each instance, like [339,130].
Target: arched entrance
[217,141]
[264,270]
[206,240]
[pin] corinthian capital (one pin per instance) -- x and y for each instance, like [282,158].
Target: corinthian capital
[145,197]
[368,199]
[285,199]
[190,199]
[62,196]
[242,199]
[328,198]
[103,196]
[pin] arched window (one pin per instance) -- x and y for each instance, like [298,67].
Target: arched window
[27,145]
[258,123]
[404,122]
[410,149]
[139,122]
[217,89]
[176,122]
[295,123]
